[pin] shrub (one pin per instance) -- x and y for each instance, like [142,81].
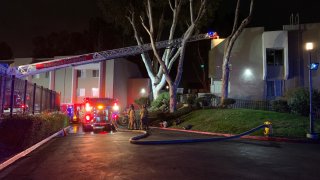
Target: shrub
[280,106]
[205,100]
[161,103]
[22,131]
[171,118]
[298,100]
[191,100]
[227,102]
[142,101]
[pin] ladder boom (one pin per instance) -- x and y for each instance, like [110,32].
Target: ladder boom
[36,68]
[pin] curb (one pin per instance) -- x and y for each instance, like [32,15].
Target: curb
[30,149]
[259,138]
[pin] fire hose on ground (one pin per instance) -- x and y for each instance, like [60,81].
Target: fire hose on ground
[136,140]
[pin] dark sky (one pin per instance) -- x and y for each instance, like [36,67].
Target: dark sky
[21,20]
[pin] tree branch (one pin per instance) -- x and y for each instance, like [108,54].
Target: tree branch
[236,17]
[191,11]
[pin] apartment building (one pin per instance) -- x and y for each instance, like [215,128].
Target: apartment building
[267,64]
[116,78]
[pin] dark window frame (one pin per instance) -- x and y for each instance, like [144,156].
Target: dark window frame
[274,57]
[95,73]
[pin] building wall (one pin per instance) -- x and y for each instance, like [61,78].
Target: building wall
[135,86]
[110,70]
[117,73]
[246,77]
[249,57]
[124,70]
[311,33]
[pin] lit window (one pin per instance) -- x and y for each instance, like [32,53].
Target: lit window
[36,76]
[95,92]
[216,87]
[81,92]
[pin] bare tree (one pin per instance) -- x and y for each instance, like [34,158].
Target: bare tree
[236,31]
[170,54]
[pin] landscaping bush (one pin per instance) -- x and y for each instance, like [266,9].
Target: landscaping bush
[22,131]
[280,106]
[142,101]
[171,118]
[191,100]
[161,103]
[227,102]
[205,100]
[298,100]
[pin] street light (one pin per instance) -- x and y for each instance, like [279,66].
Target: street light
[311,134]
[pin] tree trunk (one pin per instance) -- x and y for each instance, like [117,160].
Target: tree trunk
[228,48]
[155,88]
[225,80]
[173,98]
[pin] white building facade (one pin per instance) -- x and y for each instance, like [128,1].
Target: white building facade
[266,64]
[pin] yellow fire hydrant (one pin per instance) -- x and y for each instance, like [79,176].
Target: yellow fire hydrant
[268,129]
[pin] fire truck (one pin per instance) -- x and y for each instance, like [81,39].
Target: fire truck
[17,105]
[98,113]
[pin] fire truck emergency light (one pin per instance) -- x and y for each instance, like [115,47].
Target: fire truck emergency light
[100,107]
[88,107]
[115,107]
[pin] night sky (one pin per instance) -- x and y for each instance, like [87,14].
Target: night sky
[21,20]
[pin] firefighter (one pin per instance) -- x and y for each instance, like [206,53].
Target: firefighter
[132,118]
[144,118]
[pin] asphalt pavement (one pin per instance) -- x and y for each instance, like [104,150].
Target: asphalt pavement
[109,155]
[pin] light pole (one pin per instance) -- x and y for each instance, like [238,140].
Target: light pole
[311,134]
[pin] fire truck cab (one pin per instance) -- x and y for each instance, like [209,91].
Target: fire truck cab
[99,113]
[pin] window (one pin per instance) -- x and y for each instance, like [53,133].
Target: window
[81,73]
[81,92]
[95,92]
[36,76]
[47,75]
[216,86]
[274,88]
[95,73]
[274,57]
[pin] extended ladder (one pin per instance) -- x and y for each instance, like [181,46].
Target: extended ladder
[36,68]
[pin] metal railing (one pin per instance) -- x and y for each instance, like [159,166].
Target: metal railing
[20,96]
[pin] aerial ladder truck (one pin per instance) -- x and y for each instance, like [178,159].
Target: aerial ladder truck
[23,71]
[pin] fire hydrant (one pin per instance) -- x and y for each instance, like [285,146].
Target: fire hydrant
[268,129]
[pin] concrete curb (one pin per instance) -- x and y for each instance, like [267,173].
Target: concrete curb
[30,149]
[259,138]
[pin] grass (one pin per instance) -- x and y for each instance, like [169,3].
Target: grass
[235,121]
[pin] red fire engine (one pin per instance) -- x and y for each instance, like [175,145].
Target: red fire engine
[98,113]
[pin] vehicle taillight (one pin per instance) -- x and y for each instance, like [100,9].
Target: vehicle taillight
[114,116]
[88,117]
[115,107]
